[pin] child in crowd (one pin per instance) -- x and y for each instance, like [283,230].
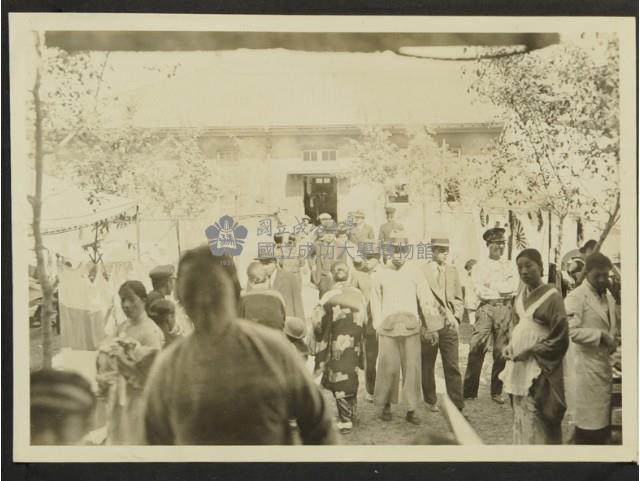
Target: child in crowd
[163,313]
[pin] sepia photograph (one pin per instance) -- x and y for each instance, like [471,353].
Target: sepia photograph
[398,237]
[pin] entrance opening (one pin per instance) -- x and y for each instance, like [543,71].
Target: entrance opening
[320,195]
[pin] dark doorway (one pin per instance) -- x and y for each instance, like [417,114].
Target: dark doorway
[320,195]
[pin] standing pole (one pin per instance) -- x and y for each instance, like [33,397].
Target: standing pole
[178,236]
[551,271]
[138,231]
[442,177]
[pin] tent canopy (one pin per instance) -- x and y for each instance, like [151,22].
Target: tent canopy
[306,41]
[65,207]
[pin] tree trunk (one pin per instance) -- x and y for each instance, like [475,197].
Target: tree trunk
[614,217]
[557,253]
[47,311]
[178,237]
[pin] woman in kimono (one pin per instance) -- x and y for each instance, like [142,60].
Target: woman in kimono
[123,364]
[533,375]
[339,331]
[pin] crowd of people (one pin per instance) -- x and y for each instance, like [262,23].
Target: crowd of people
[247,372]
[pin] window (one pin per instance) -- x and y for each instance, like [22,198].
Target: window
[328,155]
[313,155]
[310,155]
[229,155]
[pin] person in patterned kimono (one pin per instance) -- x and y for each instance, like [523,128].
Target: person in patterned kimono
[339,330]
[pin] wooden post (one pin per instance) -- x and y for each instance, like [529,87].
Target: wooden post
[551,271]
[510,247]
[138,232]
[461,428]
[178,237]
[442,176]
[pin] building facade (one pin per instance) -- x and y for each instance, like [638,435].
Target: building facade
[306,170]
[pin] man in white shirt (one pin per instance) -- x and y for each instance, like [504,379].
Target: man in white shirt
[495,281]
[396,291]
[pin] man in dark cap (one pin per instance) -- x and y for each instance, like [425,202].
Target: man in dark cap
[324,253]
[62,404]
[495,281]
[390,226]
[162,280]
[445,285]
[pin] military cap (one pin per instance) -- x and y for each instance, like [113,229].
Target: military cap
[159,272]
[495,234]
[439,242]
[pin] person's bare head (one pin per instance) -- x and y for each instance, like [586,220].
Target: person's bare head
[340,271]
[257,274]
[207,288]
[269,265]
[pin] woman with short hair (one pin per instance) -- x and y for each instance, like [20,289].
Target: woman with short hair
[123,364]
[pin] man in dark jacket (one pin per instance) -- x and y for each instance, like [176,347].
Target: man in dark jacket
[286,283]
[162,281]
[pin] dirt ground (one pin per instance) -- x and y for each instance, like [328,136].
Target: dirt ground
[491,421]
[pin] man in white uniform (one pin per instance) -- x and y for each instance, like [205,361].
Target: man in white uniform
[495,281]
